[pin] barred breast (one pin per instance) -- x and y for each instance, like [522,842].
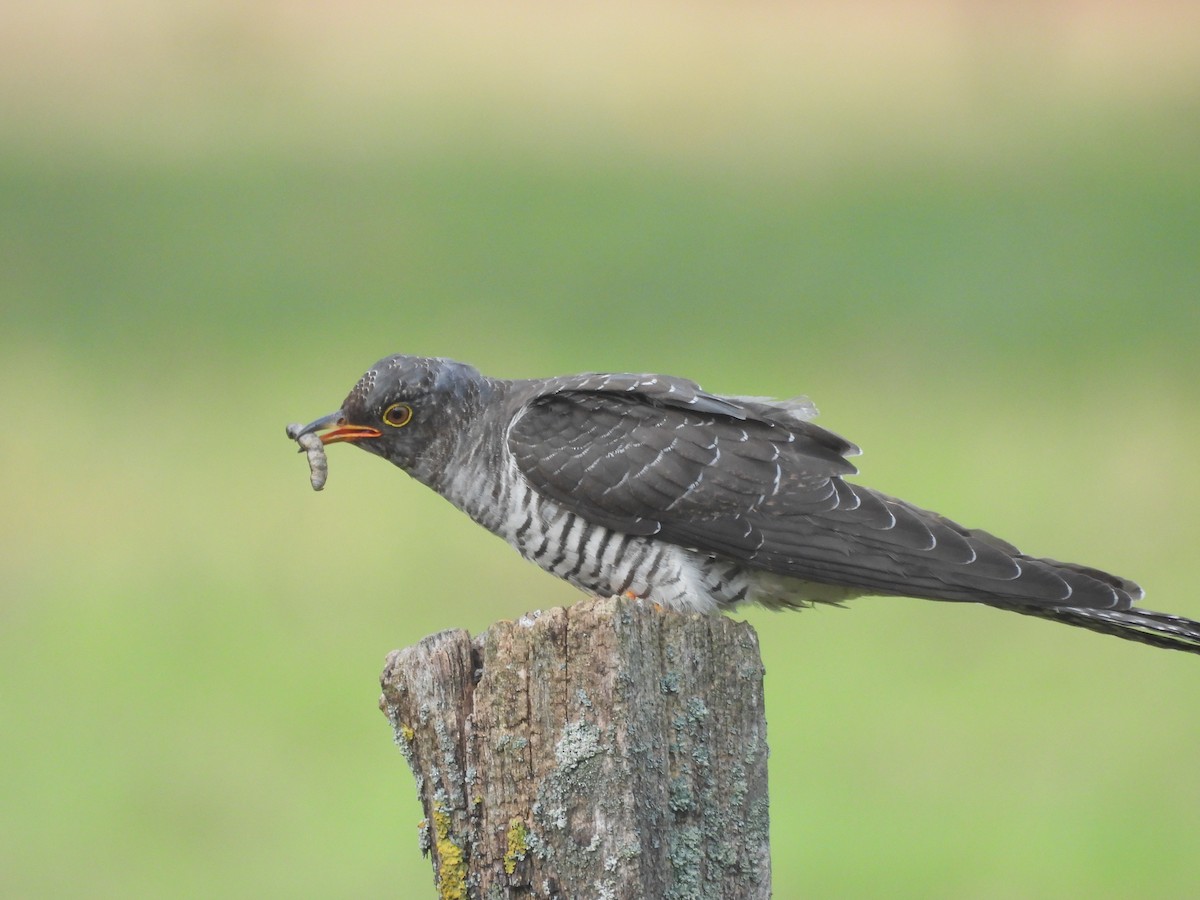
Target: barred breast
[595,559]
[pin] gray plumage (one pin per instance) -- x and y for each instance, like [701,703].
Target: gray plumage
[645,485]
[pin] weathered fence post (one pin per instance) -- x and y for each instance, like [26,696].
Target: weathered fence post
[608,750]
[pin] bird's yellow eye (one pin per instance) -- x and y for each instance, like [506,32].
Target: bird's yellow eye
[397,415]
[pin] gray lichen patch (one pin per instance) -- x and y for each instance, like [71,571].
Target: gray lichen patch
[508,743]
[686,858]
[579,741]
[574,780]
[681,798]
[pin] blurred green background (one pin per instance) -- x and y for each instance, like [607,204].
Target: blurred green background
[971,232]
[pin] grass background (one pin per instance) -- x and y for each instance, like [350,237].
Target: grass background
[970,233]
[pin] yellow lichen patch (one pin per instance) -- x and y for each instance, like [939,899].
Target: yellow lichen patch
[452,866]
[406,731]
[518,844]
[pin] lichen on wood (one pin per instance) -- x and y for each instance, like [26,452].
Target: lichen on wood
[609,749]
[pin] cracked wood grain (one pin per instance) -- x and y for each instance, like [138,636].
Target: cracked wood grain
[606,750]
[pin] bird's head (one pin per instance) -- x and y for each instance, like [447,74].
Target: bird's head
[406,409]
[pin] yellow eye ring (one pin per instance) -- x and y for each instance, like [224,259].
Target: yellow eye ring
[397,415]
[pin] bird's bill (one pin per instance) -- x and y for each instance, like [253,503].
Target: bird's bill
[338,429]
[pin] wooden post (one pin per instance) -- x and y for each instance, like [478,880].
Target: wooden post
[608,750]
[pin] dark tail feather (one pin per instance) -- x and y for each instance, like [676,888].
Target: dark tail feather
[1142,625]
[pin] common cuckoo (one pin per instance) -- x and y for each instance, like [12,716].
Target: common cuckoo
[647,486]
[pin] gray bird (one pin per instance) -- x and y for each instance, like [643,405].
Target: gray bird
[647,486]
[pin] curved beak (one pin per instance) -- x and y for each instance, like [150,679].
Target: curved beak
[338,429]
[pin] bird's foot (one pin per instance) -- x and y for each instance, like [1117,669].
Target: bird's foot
[632,595]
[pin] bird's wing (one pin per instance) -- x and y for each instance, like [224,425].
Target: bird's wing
[741,478]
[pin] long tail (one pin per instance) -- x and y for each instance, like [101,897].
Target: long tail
[1143,625]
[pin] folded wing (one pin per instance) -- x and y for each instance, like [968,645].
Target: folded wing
[746,479]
